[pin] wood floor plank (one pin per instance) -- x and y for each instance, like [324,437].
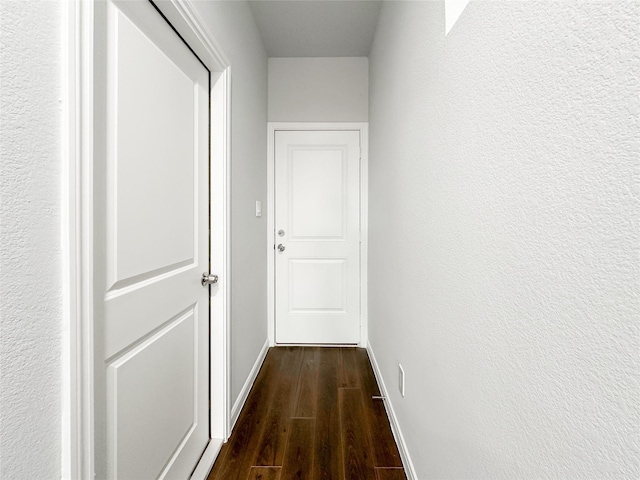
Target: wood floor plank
[264,473]
[348,373]
[367,378]
[328,463]
[356,442]
[232,462]
[271,446]
[298,461]
[386,452]
[307,397]
[390,474]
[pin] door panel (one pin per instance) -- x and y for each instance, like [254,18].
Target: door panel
[318,210]
[318,193]
[151,247]
[141,442]
[152,167]
[317,285]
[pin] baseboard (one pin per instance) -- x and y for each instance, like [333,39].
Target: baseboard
[207,460]
[244,393]
[409,469]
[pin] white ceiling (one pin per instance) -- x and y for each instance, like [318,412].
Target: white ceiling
[316,28]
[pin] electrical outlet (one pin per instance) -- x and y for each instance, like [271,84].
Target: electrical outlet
[401,379]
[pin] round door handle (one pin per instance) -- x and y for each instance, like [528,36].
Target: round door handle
[208,279]
[281,248]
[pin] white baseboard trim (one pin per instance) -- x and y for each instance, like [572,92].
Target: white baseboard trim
[207,460]
[244,393]
[409,469]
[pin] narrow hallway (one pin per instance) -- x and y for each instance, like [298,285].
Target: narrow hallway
[311,415]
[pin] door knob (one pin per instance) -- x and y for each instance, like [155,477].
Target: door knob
[281,248]
[209,279]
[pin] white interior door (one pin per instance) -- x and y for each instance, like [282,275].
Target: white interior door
[317,239]
[151,107]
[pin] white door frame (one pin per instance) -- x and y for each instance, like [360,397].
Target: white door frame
[363,128]
[78,449]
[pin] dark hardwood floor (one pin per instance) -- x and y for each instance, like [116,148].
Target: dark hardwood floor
[310,415]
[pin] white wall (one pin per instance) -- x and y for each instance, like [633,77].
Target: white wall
[30,268]
[232,25]
[319,89]
[504,264]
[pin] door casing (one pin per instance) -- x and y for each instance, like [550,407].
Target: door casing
[78,443]
[363,128]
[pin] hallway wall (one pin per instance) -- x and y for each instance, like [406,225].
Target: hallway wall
[319,89]
[232,25]
[503,274]
[30,257]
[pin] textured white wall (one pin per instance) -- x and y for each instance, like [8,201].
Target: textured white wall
[30,270]
[232,25]
[504,266]
[319,89]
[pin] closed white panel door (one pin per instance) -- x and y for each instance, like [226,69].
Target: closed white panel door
[151,247]
[317,239]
